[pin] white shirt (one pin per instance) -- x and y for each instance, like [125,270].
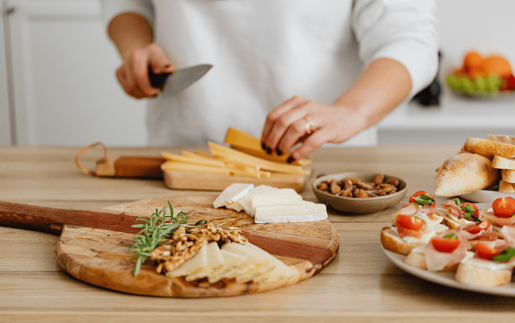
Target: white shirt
[266,51]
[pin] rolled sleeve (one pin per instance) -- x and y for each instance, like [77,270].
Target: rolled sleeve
[402,30]
[112,8]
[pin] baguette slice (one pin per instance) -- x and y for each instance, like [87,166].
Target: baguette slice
[418,260]
[464,173]
[503,138]
[392,242]
[489,148]
[508,175]
[505,187]
[473,275]
[503,163]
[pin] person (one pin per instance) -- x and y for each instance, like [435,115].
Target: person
[288,71]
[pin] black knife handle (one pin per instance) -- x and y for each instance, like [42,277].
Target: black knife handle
[157,80]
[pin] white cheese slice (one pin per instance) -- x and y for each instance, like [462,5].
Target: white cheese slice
[232,193]
[255,261]
[214,260]
[281,270]
[290,213]
[232,261]
[264,199]
[199,261]
[244,202]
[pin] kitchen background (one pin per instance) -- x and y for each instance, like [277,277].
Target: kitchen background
[57,82]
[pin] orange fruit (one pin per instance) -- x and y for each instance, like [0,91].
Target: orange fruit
[497,65]
[476,71]
[472,58]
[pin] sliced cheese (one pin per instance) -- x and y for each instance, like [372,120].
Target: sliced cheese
[199,261]
[251,145]
[193,160]
[264,199]
[215,259]
[232,193]
[280,271]
[231,155]
[244,203]
[232,261]
[290,213]
[256,264]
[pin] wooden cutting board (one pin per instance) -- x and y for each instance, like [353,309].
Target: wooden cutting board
[205,181]
[93,245]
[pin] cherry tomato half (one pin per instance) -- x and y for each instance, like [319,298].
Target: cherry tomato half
[482,226]
[447,245]
[484,251]
[410,222]
[413,200]
[476,210]
[504,207]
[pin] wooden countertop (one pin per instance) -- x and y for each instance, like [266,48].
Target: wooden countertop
[359,285]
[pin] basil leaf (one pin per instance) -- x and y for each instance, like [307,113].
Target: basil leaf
[424,199]
[451,236]
[469,210]
[457,201]
[505,255]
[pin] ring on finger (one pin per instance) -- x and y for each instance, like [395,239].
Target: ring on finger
[309,127]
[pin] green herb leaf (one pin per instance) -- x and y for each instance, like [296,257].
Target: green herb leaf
[154,232]
[201,222]
[457,201]
[469,210]
[451,236]
[505,255]
[424,199]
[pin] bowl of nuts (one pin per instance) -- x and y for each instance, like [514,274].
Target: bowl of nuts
[359,192]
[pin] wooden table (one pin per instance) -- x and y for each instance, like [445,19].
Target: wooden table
[359,285]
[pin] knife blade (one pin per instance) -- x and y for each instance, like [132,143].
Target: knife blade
[179,80]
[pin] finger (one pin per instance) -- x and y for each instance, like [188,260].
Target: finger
[281,118]
[293,121]
[310,144]
[158,60]
[129,85]
[295,132]
[139,72]
[275,113]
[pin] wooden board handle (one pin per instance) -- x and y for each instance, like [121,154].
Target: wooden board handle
[130,167]
[51,220]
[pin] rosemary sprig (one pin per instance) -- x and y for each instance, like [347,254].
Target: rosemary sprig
[153,233]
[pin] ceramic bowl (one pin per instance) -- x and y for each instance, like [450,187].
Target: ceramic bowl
[359,205]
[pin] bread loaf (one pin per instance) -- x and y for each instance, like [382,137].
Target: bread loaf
[503,163]
[489,148]
[464,173]
[503,138]
[508,175]
[505,187]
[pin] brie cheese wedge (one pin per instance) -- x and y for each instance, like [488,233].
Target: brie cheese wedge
[264,199]
[232,193]
[290,213]
[244,202]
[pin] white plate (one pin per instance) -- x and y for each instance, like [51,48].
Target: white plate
[484,196]
[447,279]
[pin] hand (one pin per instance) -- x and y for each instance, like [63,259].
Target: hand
[287,124]
[133,73]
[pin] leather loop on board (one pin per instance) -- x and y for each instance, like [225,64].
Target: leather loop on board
[82,151]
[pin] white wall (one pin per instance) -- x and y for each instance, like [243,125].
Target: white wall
[5,121]
[483,25]
[66,91]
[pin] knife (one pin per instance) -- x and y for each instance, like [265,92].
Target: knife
[178,80]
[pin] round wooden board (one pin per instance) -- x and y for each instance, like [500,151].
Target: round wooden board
[100,257]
